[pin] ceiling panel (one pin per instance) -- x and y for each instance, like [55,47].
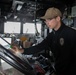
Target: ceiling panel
[30,8]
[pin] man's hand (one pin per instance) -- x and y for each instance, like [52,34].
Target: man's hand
[17,50]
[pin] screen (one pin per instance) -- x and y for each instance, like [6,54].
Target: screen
[12,27]
[29,28]
[4,43]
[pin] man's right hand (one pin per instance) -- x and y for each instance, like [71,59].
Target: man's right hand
[16,49]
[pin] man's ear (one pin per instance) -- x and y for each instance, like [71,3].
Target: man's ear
[58,18]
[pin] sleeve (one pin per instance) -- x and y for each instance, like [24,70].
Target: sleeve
[38,48]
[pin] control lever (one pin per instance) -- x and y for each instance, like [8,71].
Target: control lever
[23,62]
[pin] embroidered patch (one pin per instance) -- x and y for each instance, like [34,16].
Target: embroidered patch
[61,41]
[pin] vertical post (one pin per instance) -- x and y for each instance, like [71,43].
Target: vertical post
[21,30]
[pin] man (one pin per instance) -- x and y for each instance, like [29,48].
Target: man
[61,41]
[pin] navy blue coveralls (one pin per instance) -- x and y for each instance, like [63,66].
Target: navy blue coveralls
[63,46]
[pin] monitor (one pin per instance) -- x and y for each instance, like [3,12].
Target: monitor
[29,28]
[4,43]
[12,27]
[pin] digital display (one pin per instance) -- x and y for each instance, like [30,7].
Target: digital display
[12,27]
[29,28]
[4,43]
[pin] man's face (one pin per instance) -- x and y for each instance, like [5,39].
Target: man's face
[52,23]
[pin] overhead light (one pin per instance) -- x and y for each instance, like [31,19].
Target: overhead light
[15,17]
[5,17]
[36,20]
[19,7]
